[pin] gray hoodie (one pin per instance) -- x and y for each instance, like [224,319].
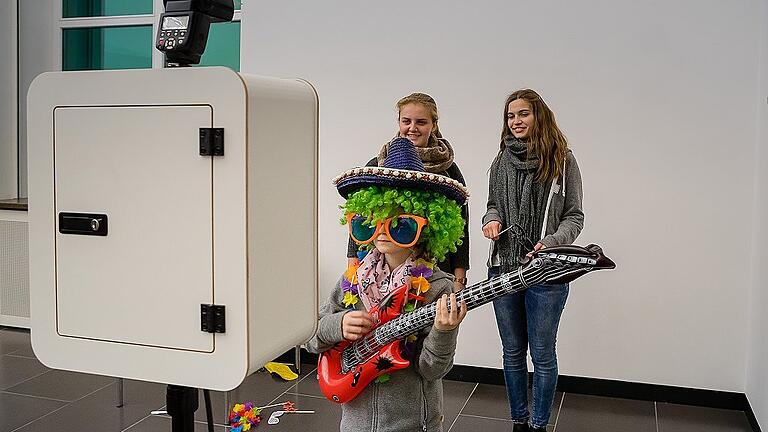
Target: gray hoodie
[564,216]
[412,400]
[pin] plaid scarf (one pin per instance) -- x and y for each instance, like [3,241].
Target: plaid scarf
[437,155]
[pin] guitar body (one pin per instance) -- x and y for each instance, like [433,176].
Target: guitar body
[342,387]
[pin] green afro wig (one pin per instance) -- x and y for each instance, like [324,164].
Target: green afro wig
[445,226]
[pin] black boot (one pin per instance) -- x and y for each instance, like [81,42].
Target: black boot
[538,429]
[520,428]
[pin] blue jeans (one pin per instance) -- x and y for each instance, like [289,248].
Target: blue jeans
[530,318]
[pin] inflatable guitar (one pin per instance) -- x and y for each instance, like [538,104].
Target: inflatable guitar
[347,368]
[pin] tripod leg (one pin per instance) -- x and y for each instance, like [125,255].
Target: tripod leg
[297,359]
[120,393]
[227,406]
[182,403]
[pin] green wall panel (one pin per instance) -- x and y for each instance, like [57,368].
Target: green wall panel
[96,8]
[107,48]
[223,47]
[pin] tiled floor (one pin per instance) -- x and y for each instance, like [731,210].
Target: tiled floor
[35,398]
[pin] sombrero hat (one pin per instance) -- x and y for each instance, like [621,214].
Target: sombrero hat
[402,168]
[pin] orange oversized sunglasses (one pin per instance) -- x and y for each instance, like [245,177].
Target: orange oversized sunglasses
[403,230]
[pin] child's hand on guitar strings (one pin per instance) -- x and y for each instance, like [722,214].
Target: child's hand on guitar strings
[355,325]
[445,319]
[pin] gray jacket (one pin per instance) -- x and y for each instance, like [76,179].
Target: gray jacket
[412,400]
[564,214]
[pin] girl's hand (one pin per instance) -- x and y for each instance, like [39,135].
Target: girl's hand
[352,262]
[446,320]
[355,325]
[491,230]
[538,247]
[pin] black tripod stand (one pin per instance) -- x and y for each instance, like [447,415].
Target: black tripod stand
[181,405]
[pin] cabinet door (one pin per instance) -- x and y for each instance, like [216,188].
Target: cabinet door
[144,281]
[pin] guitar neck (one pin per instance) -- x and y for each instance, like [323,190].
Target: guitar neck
[475,296]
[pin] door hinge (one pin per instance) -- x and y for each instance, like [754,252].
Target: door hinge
[212,318]
[211,141]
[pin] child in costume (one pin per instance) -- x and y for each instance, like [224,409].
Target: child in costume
[417,120]
[409,219]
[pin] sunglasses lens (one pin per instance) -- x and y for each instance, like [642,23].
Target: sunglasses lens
[404,230]
[360,229]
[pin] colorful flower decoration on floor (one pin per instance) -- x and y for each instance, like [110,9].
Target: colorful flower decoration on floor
[289,406]
[244,416]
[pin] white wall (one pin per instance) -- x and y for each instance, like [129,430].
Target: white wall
[38,27]
[658,101]
[757,354]
[8,100]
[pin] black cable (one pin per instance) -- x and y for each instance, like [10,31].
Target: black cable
[207,396]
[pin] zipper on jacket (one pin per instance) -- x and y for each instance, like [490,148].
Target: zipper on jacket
[423,405]
[546,210]
[374,407]
[564,161]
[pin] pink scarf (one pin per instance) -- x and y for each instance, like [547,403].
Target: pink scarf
[375,279]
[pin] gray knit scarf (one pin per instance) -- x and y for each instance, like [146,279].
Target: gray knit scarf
[437,155]
[520,200]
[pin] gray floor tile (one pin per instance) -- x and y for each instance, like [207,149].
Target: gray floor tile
[488,401]
[25,351]
[13,340]
[34,399]
[163,424]
[62,385]
[326,418]
[308,385]
[15,370]
[98,412]
[455,395]
[683,418]
[491,401]
[474,424]
[581,413]
[260,388]
[327,414]
[16,410]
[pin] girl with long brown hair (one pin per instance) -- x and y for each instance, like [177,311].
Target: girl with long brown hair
[534,202]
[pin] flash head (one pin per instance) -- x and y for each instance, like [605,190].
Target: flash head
[183,31]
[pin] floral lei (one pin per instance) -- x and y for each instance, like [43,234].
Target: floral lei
[419,285]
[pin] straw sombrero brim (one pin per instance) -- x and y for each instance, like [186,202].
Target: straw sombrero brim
[358,178]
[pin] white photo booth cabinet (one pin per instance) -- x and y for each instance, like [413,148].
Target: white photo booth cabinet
[173,222]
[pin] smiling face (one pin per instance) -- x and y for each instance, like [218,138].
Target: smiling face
[520,119]
[416,124]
